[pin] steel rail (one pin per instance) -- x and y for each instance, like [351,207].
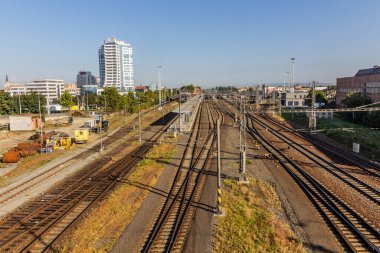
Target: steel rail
[170,200]
[179,223]
[327,204]
[369,192]
[321,195]
[344,155]
[103,175]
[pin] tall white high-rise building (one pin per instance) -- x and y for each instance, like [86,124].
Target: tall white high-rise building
[116,65]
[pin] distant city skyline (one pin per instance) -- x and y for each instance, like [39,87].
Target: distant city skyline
[203,42]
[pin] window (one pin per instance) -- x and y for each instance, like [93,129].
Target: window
[290,102]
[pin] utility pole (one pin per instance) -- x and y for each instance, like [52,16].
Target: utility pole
[293,60]
[88,108]
[313,118]
[19,101]
[257,97]
[179,108]
[39,109]
[219,183]
[159,87]
[242,139]
[105,104]
[140,139]
[279,103]
[101,137]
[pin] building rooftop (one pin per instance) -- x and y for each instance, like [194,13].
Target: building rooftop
[370,71]
[141,87]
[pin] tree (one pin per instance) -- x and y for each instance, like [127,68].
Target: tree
[320,97]
[7,105]
[30,102]
[67,100]
[189,88]
[356,99]
[111,99]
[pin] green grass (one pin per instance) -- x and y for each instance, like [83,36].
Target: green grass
[345,133]
[250,223]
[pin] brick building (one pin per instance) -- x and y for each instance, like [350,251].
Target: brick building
[366,81]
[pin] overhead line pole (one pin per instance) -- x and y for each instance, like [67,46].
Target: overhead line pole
[159,87]
[219,167]
[140,137]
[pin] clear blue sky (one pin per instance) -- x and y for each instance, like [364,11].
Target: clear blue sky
[198,41]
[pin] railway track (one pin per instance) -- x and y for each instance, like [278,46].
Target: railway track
[354,233]
[36,226]
[358,185]
[343,155]
[12,193]
[169,230]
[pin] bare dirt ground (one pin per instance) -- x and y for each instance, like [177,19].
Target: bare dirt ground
[11,139]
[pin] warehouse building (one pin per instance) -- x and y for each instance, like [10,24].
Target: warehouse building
[366,81]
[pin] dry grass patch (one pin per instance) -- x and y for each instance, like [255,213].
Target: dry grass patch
[252,223]
[29,164]
[104,224]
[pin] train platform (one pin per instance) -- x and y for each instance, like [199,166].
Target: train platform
[187,111]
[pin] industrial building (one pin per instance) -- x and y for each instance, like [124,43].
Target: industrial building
[116,65]
[366,81]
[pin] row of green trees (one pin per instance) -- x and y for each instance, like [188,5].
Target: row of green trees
[371,119]
[27,103]
[111,100]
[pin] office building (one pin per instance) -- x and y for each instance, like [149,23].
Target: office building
[72,89]
[85,78]
[50,88]
[116,65]
[15,89]
[366,81]
[89,89]
[294,98]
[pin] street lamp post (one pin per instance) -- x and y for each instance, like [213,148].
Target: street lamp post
[293,60]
